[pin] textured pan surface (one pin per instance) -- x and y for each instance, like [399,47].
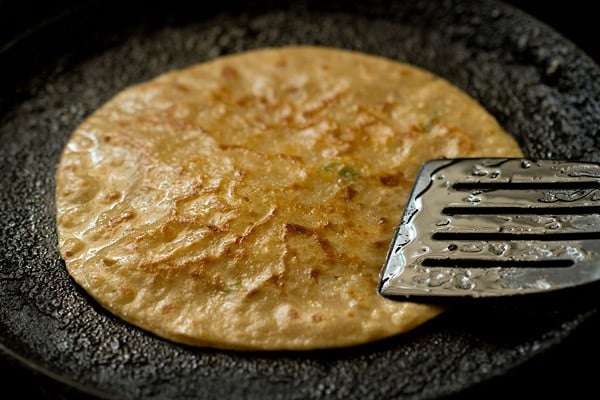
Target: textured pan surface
[539,86]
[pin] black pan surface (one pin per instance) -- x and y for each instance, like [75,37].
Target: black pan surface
[541,88]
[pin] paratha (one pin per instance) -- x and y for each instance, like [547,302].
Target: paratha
[248,202]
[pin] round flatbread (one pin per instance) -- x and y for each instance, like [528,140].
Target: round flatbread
[249,202]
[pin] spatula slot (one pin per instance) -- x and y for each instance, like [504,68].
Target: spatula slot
[494,263]
[557,185]
[479,210]
[491,236]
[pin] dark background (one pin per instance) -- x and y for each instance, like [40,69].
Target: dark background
[564,370]
[574,19]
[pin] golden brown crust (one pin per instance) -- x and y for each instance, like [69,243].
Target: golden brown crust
[248,202]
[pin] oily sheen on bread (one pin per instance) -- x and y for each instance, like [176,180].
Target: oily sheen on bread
[248,202]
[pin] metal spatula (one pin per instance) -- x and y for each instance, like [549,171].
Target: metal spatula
[496,227]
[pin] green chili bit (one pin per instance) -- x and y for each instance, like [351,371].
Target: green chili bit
[330,167]
[347,172]
[235,287]
[434,119]
[343,171]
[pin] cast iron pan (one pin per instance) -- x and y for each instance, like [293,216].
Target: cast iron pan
[540,87]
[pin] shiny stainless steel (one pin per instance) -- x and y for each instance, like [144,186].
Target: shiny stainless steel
[496,227]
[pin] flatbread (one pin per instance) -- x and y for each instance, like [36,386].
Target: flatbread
[249,202]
